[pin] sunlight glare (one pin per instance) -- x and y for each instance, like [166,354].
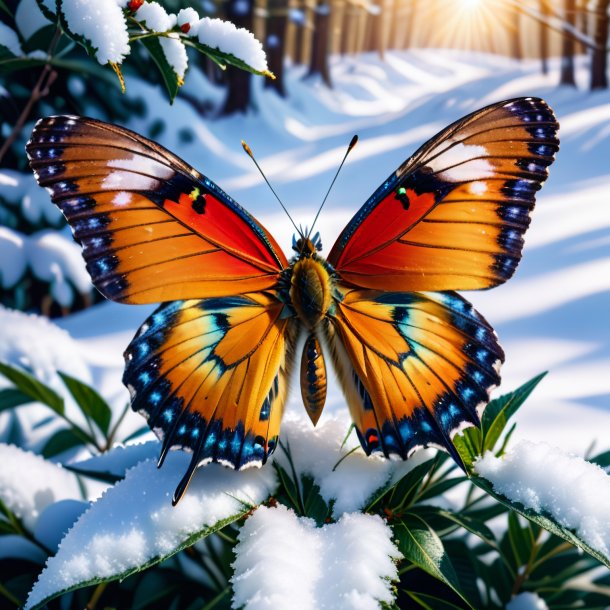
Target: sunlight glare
[471,5]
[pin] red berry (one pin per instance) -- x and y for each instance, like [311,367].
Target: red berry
[134,5]
[185,27]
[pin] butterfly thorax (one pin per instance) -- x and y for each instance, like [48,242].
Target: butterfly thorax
[310,290]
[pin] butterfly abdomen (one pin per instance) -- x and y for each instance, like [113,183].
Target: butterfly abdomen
[310,290]
[313,378]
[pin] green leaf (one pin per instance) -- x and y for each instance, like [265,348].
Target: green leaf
[61,441]
[602,459]
[224,59]
[440,487]
[170,78]
[92,405]
[544,521]
[30,386]
[520,540]
[474,526]
[430,602]
[405,489]
[468,444]
[50,15]
[11,398]
[420,545]
[97,475]
[5,8]
[499,411]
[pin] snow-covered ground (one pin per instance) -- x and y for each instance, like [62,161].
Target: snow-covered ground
[553,315]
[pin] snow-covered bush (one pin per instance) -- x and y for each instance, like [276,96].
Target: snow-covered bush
[321,527]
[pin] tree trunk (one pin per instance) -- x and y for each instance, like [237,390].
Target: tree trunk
[515,41]
[275,44]
[240,12]
[544,37]
[599,61]
[410,26]
[319,51]
[568,47]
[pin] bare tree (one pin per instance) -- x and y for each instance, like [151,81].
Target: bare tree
[275,44]
[515,38]
[240,12]
[544,35]
[599,60]
[568,46]
[320,44]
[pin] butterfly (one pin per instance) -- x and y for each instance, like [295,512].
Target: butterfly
[210,368]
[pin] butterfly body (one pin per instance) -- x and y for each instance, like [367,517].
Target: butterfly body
[210,368]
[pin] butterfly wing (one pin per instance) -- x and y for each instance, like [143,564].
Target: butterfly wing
[210,376]
[414,366]
[452,217]
[152,228]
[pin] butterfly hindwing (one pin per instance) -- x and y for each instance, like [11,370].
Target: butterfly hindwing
[152,228]
[452,217]
[414,366]
[211,376]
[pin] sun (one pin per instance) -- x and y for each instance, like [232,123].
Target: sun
[470,5]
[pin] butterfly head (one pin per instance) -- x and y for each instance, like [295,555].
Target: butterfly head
[305,246]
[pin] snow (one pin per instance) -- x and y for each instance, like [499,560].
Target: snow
[102,23]
[35,343]
[28,484]
[526,601]
[134,521]
[576,493]
[10,40]
[348,480]
[187,15]
[29,18]
[175,53]
[17,188]
[155,17]
[227,38]
[287,562]
[12,261]
[120,458]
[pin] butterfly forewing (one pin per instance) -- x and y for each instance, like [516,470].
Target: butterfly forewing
[452,217]
[152,228]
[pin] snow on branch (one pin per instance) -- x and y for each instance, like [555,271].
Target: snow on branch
[134,522]
[574,492]
[283,561]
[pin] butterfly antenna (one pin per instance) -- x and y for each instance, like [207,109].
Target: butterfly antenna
[353,143]
[258,167]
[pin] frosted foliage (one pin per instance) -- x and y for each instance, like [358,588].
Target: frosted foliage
[187,15]
[21,189]
[355,479]
[284,561]
[573,491]
[226,37]
[55,259]
[35,343]
[9,39]
[13,262]
[102,23]
[175,53]
[29,18]
[28,484]
[155,17]
[526,601]
[134,521]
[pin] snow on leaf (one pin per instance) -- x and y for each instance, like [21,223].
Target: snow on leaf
[229,39]
[13,261]
[29,18]
[9,40]
[35,343]
[175,53]
[100,25]
[527,601]
[345,475]
[544,479]
[155,17]
[283,561]
[28,484]
[133,525]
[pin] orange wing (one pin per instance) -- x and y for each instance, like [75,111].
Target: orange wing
[414,366]
[211,376]
[152,228]
[452,217]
